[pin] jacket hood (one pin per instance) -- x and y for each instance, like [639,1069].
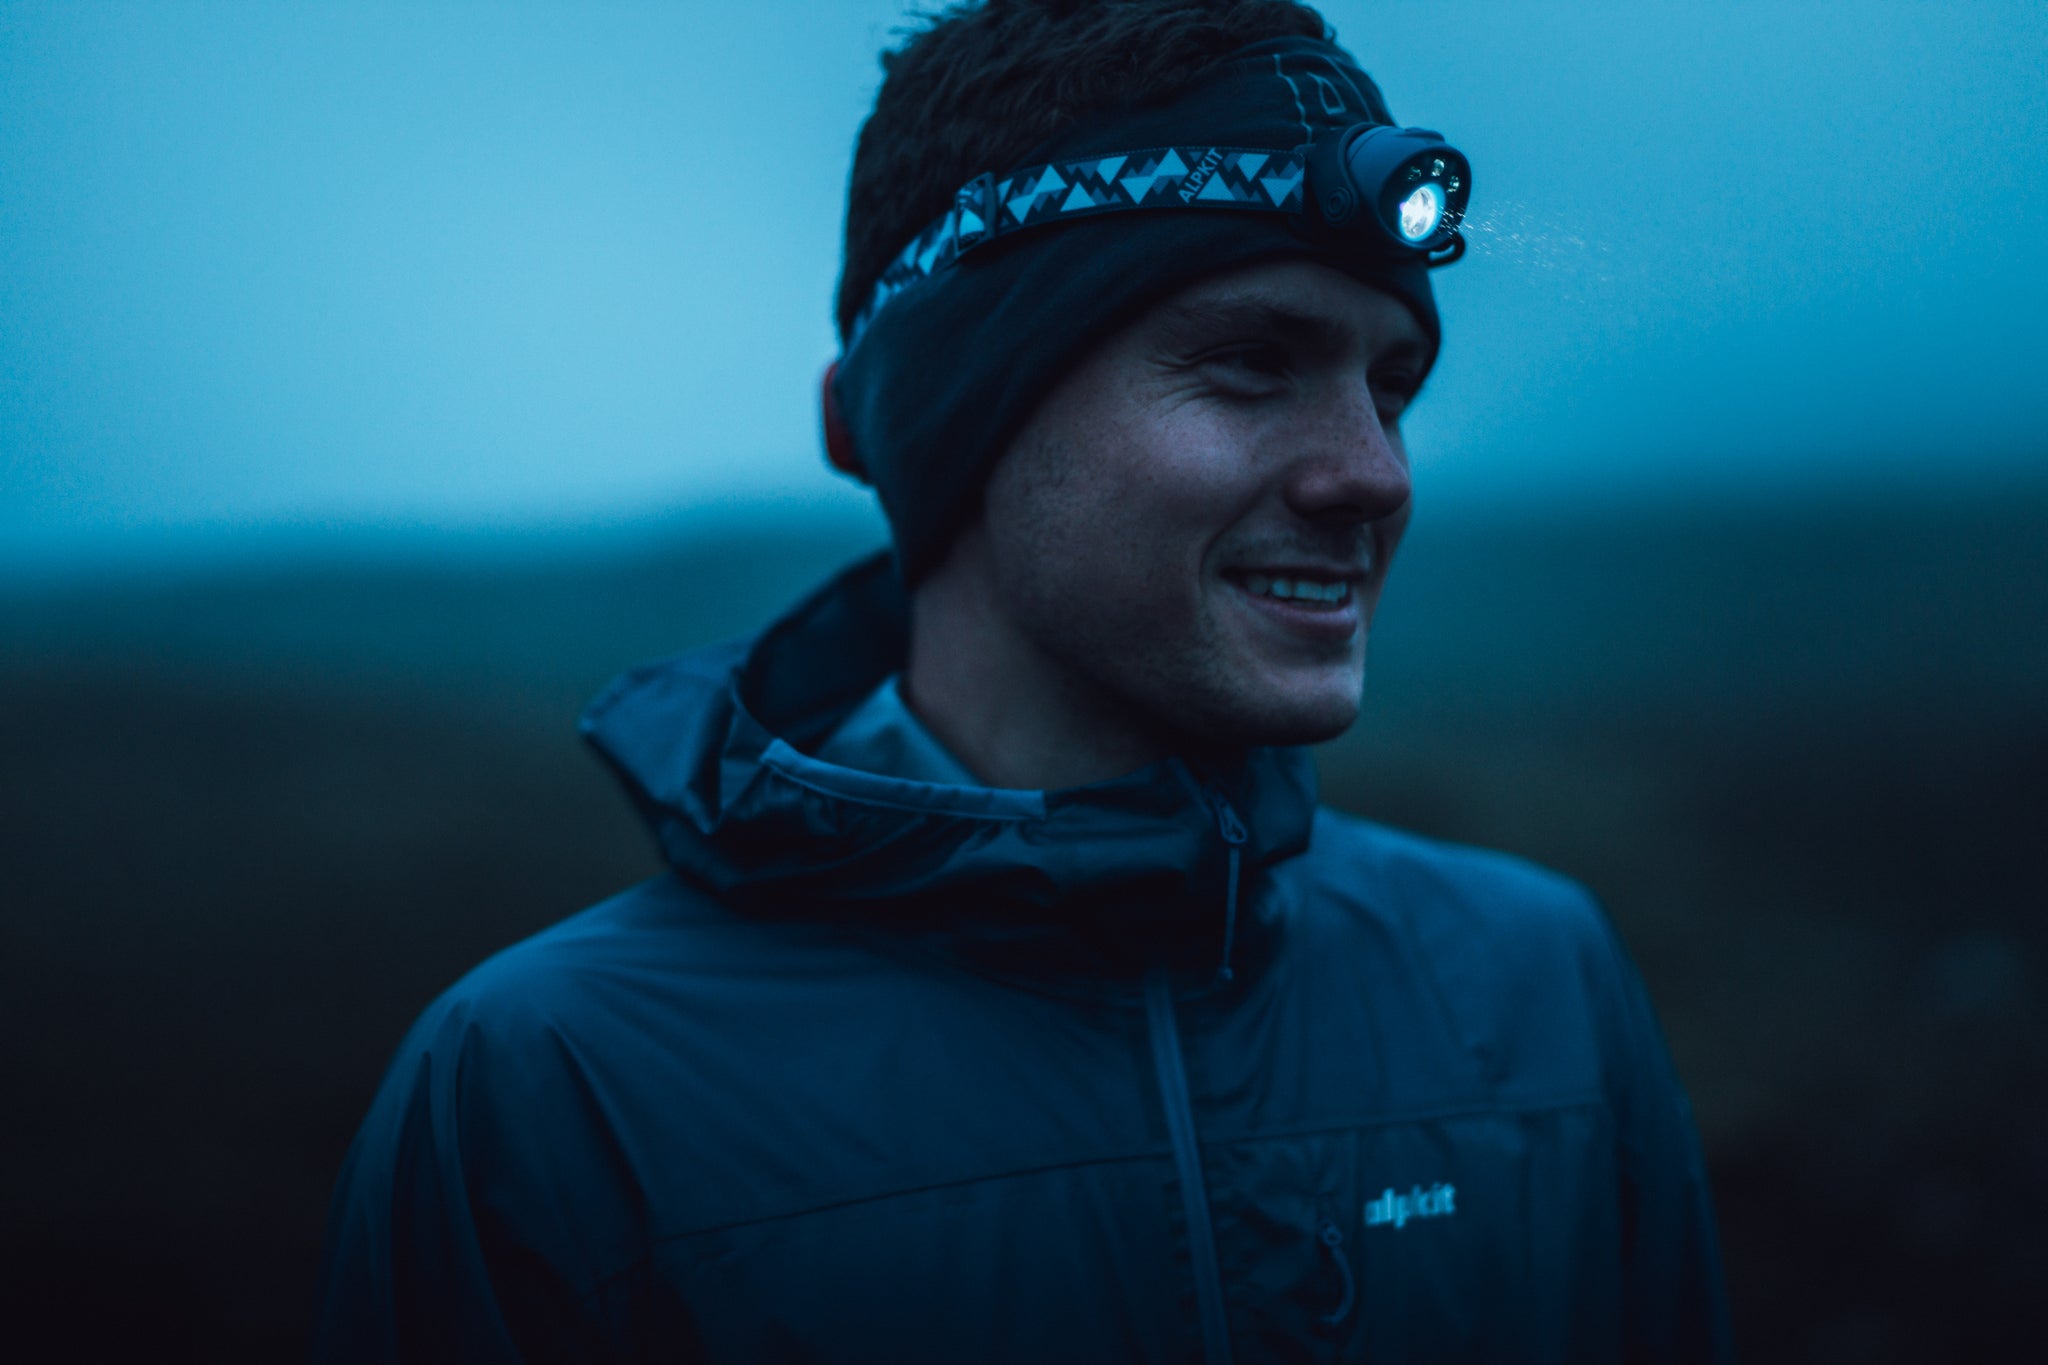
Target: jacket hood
[713,745]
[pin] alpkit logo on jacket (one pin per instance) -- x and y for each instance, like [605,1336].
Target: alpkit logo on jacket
[1438,1201]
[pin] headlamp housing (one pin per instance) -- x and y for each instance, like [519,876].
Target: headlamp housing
[1406,187]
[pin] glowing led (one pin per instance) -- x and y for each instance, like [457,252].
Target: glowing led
[1421,211]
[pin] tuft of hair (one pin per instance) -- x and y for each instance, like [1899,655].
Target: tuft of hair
[977,86]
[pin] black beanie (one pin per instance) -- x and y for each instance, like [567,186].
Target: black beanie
[945,374]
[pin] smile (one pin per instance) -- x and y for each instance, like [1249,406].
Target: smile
[1307,591]
[1322,608]
[1303,590]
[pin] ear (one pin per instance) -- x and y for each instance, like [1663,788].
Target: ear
[838,440]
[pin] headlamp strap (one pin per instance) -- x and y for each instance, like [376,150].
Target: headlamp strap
[1159,177]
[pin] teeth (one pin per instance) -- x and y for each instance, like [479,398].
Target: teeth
[1296,589]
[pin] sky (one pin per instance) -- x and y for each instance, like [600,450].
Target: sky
[275,268]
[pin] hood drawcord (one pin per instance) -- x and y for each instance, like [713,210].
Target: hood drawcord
[1234,837]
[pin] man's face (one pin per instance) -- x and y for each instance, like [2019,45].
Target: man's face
[1238,442]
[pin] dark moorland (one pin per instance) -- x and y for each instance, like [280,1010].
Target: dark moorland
[251,822]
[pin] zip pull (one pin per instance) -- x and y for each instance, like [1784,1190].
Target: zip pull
[1227,821]
[1233,836]
[1330,1237]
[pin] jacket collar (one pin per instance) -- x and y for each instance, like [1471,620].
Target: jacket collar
[713,745]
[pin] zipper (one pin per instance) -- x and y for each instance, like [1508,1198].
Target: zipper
[1233,832]
[1187,1162]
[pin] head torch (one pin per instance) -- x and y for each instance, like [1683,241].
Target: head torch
[1400,192]
[1407,184]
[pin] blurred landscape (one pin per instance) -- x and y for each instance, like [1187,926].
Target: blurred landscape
[253,819]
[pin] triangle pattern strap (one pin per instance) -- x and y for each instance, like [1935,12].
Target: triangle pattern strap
[1237,178]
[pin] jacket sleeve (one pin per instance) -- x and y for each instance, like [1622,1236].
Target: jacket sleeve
[416,1268]
[1676,1304]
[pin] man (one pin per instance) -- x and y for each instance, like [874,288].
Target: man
[1010,998]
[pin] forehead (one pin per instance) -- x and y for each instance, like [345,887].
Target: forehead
[1304,300]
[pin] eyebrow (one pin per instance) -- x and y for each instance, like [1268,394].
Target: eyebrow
[1318,332]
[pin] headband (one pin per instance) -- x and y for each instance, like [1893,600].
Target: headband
[976,319]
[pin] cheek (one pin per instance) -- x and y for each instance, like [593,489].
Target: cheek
[1096,553]
[1089,489]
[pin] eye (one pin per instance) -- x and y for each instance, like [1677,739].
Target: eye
[1249,369]
[1393,391]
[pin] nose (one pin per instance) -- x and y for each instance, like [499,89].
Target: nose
[1350,468]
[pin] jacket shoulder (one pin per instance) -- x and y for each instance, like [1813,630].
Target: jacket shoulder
[655,981]
[489,1155]
[1520,961]
[529,1013]
[1490,897]
[660,922]
[531,1076]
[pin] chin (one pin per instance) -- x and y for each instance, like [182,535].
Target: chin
[1313,727]
[1251,720]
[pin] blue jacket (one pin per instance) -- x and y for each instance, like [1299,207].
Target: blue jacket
[1176,1067]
